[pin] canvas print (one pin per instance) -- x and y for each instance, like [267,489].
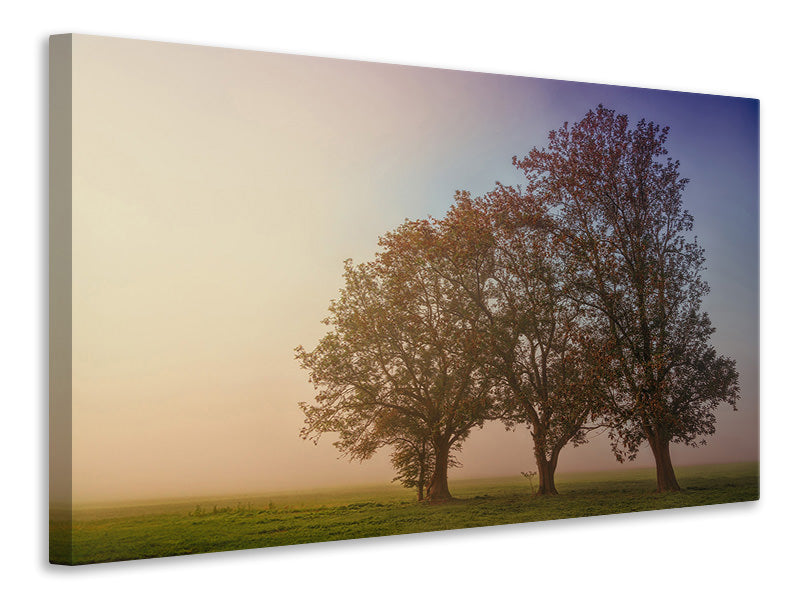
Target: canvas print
[298,299]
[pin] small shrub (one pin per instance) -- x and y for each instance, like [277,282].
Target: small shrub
[530,475]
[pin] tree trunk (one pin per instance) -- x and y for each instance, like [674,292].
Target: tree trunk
[420,489]
[547,472]
[437,489]
[665,474]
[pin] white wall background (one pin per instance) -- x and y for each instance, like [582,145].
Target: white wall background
[743,49]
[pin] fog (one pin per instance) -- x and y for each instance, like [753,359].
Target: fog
[216,194]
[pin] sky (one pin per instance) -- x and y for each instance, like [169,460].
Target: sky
[216,195]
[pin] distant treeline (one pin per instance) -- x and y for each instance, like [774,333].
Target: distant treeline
[568,305]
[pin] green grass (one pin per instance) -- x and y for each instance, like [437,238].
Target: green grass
[103,534]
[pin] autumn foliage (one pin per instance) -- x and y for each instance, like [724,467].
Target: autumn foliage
[568,305]
[401,367]
[622,233]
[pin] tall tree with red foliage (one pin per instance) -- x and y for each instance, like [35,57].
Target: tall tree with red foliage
[622,233]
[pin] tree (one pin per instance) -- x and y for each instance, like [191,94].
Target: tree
[414,460]
[401,365]
[622,234]
[498,250]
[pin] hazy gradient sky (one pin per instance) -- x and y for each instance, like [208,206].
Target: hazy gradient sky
[216,194]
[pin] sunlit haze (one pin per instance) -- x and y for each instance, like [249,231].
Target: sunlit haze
[216,194]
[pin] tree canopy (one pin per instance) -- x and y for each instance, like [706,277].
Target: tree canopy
[570,304]
[498,250]
[622,233]
[401,366]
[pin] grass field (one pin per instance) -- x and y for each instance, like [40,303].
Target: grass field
[190,526]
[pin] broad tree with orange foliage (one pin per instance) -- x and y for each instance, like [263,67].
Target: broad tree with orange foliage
[401,366]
